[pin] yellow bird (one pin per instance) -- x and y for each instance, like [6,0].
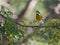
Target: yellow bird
[38,16]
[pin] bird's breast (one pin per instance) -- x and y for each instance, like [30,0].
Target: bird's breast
[38,17]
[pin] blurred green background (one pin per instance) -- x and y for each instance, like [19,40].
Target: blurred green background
[14,34]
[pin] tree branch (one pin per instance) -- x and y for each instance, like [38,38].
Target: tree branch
[27,10]
[21,14]
[51,16]
[28,25]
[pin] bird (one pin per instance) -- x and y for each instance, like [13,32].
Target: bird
[38,16]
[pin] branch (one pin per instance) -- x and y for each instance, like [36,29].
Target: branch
[24,39]
[28,25]
[51,16]
[27,10]
[21,14]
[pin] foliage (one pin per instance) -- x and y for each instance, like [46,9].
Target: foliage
[10,28]
[50,34]
[5,11]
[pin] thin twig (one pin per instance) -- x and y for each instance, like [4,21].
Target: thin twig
[29,25]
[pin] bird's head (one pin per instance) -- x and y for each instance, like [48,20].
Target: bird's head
[37,12]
